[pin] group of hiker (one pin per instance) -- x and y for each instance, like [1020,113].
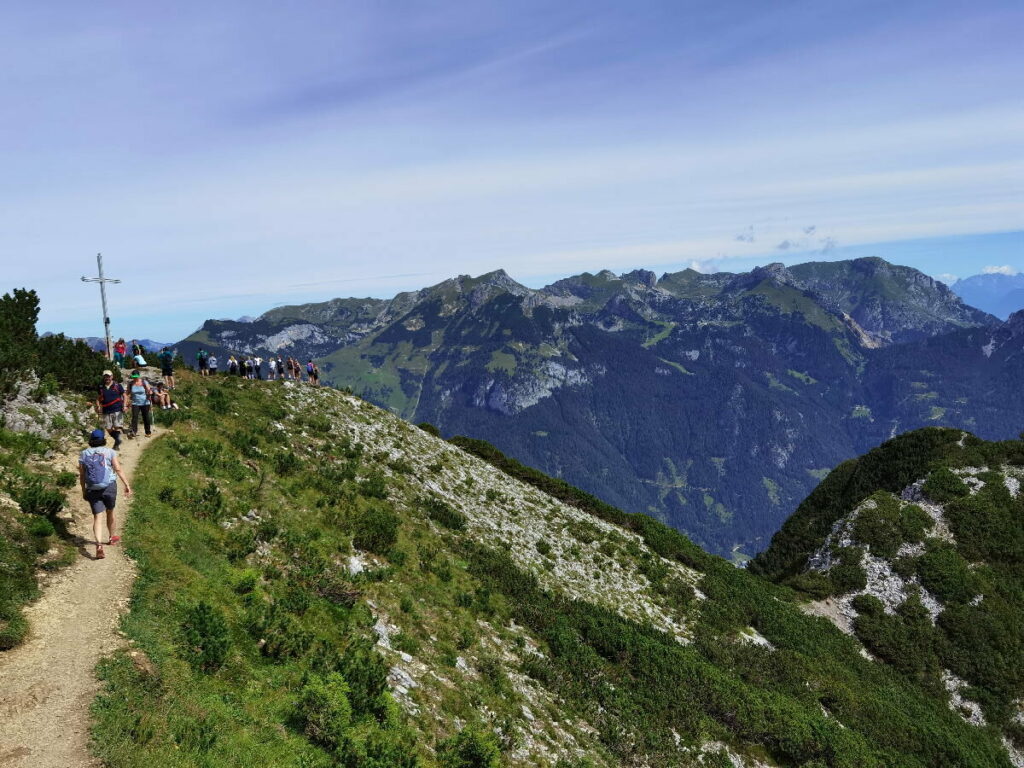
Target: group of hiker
[122,358]
[98,466]
[252,367]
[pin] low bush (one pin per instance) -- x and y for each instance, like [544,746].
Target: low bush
[944,486]
[375,529]
[206,637]
[36,498]
[325,711]
[442,512]
[848,574]
[469,748]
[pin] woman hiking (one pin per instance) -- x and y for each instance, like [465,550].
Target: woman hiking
[98,470]
[140,395]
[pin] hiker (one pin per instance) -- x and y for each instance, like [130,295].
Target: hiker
[271,368]
[280,368]
[201,357]
[119,351]
[162,398]
[257,367]
[166,358]
[247,364]
[211,363]
[232,366]
[136,348]
[309,371]
[110,405]
[98,470]
[139,392]
[314,375]
[140,361]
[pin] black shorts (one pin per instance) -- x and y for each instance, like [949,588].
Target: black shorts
[102,499]
[202,365]
[167,372]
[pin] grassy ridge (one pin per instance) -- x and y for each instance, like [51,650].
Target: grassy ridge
[255,641]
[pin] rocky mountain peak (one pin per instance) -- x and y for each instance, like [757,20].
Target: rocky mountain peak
[641,277]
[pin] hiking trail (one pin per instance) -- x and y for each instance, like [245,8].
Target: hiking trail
[48,683]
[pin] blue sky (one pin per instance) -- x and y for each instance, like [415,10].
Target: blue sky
[228,157]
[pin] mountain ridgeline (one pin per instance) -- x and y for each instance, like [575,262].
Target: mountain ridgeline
[917,550]
[323,584]
[713,402]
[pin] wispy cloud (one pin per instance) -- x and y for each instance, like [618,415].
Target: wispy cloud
[1006,269]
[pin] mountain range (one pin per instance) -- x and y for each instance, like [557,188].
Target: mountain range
[995,292]
[713,402]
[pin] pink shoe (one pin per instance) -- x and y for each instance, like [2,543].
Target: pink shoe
[114,539]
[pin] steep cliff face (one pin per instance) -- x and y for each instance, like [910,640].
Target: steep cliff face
[714,402]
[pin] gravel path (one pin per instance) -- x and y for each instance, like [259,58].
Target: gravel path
[48,683]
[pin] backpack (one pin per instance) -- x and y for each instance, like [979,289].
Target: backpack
[95,464]
[114,387]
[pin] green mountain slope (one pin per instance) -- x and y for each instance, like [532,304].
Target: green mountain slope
[712,402]
[917,549]
[323,584]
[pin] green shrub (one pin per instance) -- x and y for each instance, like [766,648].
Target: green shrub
[914,522]
[69,364]
[206,502]
[247,581]
[36,498]
[814,584]
[66,479]
[469,748]
[544,547]
[848,574]
[868,605]
[945,573]
[12,631]
[442,512]
[282,634]
[217,401]
[324,710]
[286,462]
[47,387]
[944,486]
[206,637]
[878,526]
[429,428]
[40,526]
[367,674]
[374,487]
[375,529]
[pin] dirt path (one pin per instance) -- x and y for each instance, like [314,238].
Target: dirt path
[48,683]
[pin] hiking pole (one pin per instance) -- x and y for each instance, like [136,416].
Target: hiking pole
[103,297]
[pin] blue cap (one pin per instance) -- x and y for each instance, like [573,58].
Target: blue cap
[98,434]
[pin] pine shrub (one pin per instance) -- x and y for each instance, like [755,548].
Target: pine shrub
[375,529]
[325,711]
[206,637]
[469,748]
